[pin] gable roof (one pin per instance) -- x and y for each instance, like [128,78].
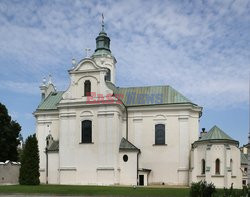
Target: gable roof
[216,134]
[51,101]
[128,146]
[149,95]
[131,96]
[54,147]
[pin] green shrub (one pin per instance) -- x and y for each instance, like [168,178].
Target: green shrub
[29,171]
[202,189]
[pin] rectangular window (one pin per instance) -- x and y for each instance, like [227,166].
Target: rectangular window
[159,134]
[86,131]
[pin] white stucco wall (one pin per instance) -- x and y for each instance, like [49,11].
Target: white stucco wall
[128,170]
[181,127]
[100,162]
[210,152]
[46,123]
[53,168]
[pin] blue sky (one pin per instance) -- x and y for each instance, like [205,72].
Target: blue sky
[201,48]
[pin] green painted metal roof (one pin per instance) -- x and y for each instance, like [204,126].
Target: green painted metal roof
[149,95]
[126,145]
[51,101]
[215,133]
[132,96]
[101,52]
[244,159]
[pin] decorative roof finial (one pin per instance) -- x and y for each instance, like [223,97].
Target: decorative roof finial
[73,61]
[102,22]
[50,79]
[44,81]
[87,50]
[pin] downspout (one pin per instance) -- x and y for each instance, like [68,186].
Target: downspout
[137,171]
[126,109]
[47,166]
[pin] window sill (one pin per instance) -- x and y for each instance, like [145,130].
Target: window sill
[86,143]
[217,175]
[202,175]
[159,144]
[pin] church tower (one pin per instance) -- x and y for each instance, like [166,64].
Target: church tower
[103,56]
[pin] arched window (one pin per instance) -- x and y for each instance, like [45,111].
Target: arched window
[87,88]
[86,131]
[203,166]
[108,75]
[160,134]
[217,166]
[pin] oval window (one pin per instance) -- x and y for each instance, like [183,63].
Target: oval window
[125,158]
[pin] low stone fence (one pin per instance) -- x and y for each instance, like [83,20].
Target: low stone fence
[9,172]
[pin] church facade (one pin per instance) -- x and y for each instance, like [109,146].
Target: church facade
[96,133]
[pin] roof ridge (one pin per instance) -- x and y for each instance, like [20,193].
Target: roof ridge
[147,86]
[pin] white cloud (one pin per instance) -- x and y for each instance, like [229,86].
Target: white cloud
[20,87]
[200,48]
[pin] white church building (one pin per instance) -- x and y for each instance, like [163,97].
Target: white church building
[95,133]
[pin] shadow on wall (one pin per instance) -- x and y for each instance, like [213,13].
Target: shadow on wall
[9,172]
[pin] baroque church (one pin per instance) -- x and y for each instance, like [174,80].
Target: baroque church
[96,133]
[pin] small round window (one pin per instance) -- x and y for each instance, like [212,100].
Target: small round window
[125,158]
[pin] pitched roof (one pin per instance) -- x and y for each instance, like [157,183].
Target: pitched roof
[132,96]
[216,134]
[51,101]
[244,159]
[54,146]
[126,145]
[149,95]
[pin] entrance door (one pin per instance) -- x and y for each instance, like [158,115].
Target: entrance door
[141,179]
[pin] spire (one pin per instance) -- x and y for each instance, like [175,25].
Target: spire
[102,42]
[102,22]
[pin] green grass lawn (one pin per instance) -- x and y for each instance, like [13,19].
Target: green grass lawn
[94,190]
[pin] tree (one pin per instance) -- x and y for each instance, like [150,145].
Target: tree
[9,132]
[29,171]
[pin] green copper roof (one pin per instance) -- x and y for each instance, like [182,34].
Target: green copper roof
[101,52]
[51,101]
[102,44]
[150,95]
[244,158]
[126,145]
[133,96]
[216,133]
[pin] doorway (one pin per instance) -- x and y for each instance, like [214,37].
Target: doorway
[141,180]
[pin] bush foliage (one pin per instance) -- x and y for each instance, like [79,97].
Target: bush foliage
[202,189]
[29,171]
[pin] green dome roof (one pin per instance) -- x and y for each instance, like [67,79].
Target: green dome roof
[216,134]
[102,44]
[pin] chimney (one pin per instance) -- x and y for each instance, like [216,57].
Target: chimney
[203,132]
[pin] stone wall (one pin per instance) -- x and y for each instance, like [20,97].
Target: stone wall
[9,172]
